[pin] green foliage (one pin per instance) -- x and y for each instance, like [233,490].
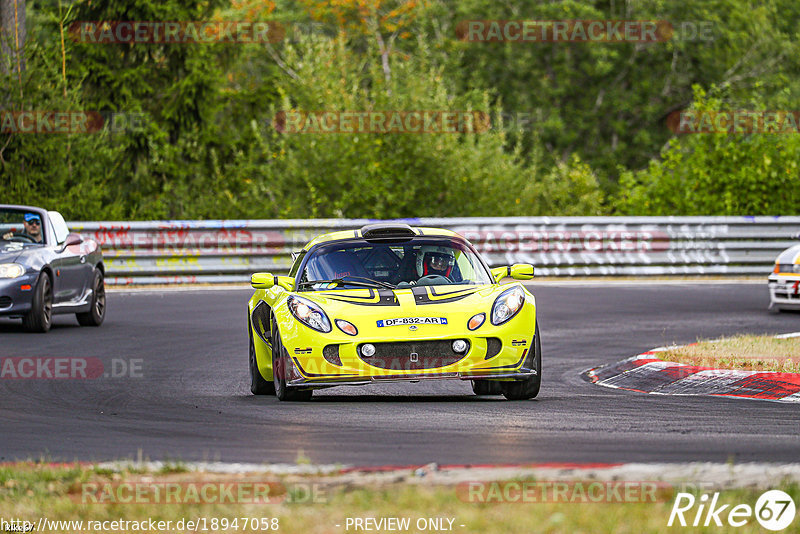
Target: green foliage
[205,143]
[608,102]
[724,174]
[397,174]
[53,169]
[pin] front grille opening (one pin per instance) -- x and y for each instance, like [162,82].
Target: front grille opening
[413,355]
[331,355]
[5,302]
[493,347]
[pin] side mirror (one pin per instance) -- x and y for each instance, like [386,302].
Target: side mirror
[498,273]
[518,271]
[268,281]
[522,271]
[262,280]
[73,239]
[286,282]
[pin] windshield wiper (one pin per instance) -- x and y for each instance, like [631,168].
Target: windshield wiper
[367,282]
[386,285]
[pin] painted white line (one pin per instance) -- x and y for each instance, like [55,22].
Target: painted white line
[789,335]
[665,348]
[794,397]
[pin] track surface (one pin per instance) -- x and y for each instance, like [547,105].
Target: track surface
[193,401]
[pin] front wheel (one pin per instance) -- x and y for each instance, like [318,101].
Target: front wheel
[280,366]
[97,312]
[39,317]
[529,387]
[258,386]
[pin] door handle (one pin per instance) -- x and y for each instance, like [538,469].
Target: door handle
[83,259]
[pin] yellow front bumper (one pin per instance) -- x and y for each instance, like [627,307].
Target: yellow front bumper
[499,352]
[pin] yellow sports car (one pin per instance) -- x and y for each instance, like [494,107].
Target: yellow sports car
[390,302]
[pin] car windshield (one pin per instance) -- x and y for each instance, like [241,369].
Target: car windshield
[417,261]
[20,228]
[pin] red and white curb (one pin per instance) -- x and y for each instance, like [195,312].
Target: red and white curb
[646,373]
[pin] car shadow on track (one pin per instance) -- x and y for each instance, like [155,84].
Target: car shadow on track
[329,399]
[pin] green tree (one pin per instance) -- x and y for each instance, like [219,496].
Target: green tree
[717,174]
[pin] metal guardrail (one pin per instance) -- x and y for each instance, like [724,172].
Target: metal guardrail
[219,251]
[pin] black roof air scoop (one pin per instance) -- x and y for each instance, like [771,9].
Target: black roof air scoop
[387,231]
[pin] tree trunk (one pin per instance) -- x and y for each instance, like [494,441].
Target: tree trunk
[12,35]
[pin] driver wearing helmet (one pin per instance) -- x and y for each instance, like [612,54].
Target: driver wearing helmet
[435,261]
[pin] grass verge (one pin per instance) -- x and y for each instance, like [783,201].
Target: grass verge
[744,352]
[30,491]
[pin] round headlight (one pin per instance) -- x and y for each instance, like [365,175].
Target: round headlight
[507,305]
[368,349]
[309,313]
[11,270]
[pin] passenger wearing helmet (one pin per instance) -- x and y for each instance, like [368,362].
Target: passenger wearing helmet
[435,261]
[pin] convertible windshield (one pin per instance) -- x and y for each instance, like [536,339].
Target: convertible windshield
[417,261]
[20,227]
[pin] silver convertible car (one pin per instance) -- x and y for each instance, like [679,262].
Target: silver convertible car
[784,282]
[46,270]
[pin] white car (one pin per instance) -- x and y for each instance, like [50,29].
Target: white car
[784,282]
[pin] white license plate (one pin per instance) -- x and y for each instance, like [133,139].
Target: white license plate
[412,320]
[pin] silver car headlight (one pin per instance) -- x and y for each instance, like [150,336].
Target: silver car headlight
[11,270]
[309,314]
[507,305]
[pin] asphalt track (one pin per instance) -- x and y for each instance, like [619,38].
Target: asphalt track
[193,403]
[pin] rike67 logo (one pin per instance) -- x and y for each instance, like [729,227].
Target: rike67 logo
[774,510]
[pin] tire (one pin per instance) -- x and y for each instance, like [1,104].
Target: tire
[39,318]
[486,387]
[529,387]
[279,365]
[258,386]
[97,312]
